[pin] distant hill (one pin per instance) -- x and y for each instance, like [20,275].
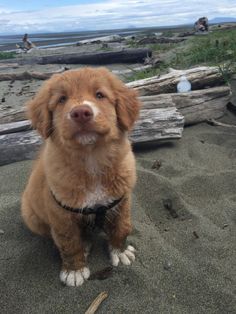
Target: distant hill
[217,20]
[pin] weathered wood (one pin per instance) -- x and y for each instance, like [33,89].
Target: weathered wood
[154,124]
[202,105]
[199,77]
[26,75]
[96,303]
[97,40]
[19,146]
[11,115]
[109,57]
[14,127]
[29,75]
[196,106]
[158,124]
[217,123]
[4,66]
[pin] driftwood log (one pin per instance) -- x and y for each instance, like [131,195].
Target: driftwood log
[28,75]
[196,106]
[98,40]
[4,66]
[14,127]
[11,115]
[200,78]
[158,124]
[16,144]
[98,58]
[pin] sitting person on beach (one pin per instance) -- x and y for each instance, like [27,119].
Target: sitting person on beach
[27,44]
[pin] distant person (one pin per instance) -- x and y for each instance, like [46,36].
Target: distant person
[27,44]
[201,25]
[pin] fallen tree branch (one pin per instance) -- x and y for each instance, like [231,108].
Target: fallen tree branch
[96,303]
[217,123]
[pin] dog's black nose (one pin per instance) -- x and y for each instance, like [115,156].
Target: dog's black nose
[81,114]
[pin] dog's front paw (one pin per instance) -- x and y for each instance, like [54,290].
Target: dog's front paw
[74,278]
[126,257]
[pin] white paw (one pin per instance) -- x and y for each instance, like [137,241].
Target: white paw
[126,257]
[74,278]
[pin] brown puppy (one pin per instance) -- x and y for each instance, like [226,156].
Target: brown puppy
[86,162]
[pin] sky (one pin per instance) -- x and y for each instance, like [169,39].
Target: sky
[21,16]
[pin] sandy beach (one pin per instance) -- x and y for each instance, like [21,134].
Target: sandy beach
[186,256]
[184,216]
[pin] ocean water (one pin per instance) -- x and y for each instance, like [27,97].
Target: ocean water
[8,42]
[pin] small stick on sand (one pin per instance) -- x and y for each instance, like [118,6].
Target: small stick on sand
[216,123]
[99,299]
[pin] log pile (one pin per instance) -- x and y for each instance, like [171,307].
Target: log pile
[162,117]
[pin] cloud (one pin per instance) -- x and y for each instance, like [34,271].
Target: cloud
[110,14]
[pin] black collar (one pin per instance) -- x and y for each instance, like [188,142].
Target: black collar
[97,209]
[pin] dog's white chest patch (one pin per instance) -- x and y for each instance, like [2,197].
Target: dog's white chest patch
[97,196]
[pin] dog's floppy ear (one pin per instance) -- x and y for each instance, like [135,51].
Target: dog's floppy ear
[127,107]
[38,111]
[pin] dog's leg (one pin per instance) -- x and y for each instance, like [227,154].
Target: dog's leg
[33,222]
[74,271]
[118,230]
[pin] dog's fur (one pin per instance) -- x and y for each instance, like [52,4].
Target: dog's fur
[82,164]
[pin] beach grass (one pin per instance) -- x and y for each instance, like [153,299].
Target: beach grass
[212,49]
[140,75]
[7,55]
[217,48]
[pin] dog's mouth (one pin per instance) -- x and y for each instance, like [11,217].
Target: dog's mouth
[86,138]
[85,133]
[90,132]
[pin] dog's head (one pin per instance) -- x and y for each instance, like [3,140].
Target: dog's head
[84,106]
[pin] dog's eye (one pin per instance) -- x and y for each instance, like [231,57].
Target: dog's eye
[62,99]
[99,95]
